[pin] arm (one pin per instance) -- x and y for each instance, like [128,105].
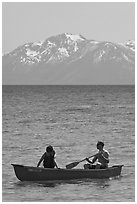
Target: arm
[40,160]
[104,156]
[56,165]
[93,160]
[54,160]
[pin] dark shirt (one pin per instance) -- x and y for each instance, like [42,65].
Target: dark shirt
[48,161]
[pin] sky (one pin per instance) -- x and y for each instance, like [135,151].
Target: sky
[24,22]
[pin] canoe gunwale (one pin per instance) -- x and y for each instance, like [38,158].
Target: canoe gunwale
[54,169]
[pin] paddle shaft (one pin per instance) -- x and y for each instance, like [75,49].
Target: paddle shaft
[87,158]
[73,164]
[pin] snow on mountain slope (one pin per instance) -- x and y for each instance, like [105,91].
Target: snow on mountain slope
[65,51]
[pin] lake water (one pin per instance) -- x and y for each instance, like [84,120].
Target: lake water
[72,119]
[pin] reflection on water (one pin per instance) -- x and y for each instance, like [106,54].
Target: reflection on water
[35,184]
[101,183]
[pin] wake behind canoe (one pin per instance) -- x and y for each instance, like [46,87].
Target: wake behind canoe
[29,173]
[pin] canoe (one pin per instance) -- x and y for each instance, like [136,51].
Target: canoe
[29,173]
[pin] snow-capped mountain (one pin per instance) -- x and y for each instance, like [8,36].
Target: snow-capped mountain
[130,44]
[70,59]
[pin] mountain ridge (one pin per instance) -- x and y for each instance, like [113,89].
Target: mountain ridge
[70,59]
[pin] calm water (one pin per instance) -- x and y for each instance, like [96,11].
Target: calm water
[72,119]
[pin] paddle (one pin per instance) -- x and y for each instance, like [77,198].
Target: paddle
[73,164]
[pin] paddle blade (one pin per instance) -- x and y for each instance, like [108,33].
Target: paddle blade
[72,165]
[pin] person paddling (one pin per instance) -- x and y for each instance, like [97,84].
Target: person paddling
[48,158]
[102,158]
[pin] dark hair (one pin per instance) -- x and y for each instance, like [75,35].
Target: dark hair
[100,143]
[49,148]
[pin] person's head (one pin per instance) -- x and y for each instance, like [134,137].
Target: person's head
[49,149]
[100,145]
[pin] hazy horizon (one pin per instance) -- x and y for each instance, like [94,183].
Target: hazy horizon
[29,22]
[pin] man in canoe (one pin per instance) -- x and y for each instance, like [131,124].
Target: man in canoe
[48,158]
[102,158]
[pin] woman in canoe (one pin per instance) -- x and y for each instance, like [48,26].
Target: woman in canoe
[48,158]
[102,158]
